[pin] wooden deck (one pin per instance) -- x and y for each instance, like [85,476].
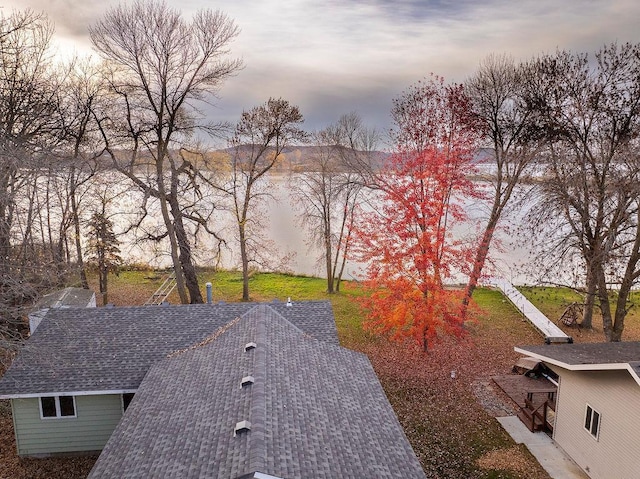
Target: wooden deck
[519,387]
[535,397]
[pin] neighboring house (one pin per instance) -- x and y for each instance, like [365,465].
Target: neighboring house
[598,405]
[63,298]
[225,390]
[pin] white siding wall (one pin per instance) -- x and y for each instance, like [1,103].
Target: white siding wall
[616,396]
[97,417]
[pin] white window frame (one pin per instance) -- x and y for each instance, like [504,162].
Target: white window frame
[58,409]
[589,413]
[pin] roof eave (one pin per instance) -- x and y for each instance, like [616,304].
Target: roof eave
[67,393]
[582,367]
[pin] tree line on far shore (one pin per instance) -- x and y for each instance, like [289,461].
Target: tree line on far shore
[138,111]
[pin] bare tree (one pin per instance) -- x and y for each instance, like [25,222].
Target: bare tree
[28,132]
[591,115]
[328,190]
[77,98]
[26,107]
[163,66]
[507,123]
[260,137]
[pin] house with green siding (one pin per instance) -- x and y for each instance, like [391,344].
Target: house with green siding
[212,390]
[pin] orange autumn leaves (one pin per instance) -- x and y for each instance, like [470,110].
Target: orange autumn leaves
[408,242]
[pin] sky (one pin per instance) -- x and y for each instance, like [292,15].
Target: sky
[337,56]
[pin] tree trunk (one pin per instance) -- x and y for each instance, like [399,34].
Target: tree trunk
[245,261]
[621,312]
[76,225]
[169,224]
[186,260]
[104,277]
[328,261]
[605,305]
[481,257]
[590,301]
[630,275]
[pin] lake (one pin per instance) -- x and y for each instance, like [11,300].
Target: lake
[289,239]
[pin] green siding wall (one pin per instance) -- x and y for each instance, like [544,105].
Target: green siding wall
[97,417]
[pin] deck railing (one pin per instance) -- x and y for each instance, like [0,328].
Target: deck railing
[536,417]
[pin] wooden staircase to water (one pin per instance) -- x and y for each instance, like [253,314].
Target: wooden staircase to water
[165,289]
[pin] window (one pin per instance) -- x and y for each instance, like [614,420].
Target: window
[592,421]
[126,400]
[57,406]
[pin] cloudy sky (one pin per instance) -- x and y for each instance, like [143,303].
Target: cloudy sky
[335,56]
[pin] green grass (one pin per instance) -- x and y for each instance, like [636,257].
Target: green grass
[227,286]
[133,287]
[550,300]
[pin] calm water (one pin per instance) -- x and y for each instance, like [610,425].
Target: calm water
[289,239]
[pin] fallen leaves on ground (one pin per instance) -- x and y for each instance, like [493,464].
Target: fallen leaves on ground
[446,403]
[512,459]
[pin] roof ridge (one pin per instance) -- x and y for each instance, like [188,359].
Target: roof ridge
[209,339]
[258,414]
[269,307]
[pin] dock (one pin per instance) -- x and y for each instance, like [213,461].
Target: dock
[551,332]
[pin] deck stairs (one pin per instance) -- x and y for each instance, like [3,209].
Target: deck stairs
[538,417]
[165,289]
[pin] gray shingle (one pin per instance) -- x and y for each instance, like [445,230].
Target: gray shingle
[589,353]
[111,349]
[316,410]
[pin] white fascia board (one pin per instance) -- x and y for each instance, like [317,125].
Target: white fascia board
[573,367]
[68,393]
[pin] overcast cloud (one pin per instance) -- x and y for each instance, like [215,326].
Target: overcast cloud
[338,56]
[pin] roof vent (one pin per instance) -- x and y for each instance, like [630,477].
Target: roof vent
[242,426]
[250,346]
[247,380]
[289,303]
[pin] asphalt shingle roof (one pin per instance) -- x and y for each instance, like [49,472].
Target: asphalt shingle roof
[67,297]
[317,410]
[589,353]
[111,349]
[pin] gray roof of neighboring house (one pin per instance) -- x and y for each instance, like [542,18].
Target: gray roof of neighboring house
[67,297]
[588,353]
[317,410]
[111,349]
[589,356]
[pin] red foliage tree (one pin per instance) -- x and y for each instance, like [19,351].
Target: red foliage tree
[408,242]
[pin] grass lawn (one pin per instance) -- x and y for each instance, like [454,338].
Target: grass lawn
[554,301]
[445,419]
